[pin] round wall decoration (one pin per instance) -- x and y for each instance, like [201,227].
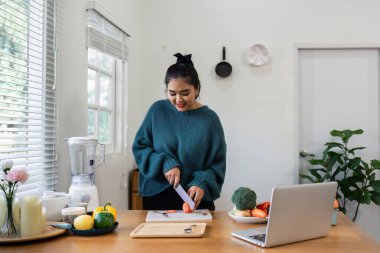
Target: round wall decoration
[258,55]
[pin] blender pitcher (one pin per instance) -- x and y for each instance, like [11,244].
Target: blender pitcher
[82,151]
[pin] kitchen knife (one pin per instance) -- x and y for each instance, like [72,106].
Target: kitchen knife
[184,196]
[61,225]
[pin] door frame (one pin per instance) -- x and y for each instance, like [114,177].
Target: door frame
[301,46]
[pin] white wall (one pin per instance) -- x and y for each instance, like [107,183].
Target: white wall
[257,105]
[72,92]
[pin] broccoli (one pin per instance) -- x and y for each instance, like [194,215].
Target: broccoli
[244,198]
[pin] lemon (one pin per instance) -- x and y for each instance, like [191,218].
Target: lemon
[84,222]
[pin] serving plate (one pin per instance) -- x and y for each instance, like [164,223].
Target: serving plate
[94,232]
[49,232]
[247,219]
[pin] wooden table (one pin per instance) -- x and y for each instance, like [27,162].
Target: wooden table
[344,237]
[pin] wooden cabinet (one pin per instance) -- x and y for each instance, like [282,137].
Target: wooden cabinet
[136,200]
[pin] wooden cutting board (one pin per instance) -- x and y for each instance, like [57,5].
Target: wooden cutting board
[168,230]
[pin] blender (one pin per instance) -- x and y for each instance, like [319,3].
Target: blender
[82,151]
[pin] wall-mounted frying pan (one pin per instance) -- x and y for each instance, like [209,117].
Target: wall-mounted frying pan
[223,68]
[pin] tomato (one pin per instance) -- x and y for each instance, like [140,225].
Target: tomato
[104,220]
[258,213]
[186,208]
[336,204]
[264,206]
[106,208]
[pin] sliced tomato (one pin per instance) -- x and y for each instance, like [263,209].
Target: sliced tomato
[186,208]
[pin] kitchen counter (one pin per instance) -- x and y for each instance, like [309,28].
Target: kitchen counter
[344,237]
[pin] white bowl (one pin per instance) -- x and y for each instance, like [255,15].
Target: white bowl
[247,219]
[54,202]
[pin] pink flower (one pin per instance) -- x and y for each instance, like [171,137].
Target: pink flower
[17,175]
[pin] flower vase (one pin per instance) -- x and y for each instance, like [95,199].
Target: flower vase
[9,229]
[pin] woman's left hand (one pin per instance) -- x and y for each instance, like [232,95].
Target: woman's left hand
[196,194]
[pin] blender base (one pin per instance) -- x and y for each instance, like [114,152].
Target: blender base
[83,194]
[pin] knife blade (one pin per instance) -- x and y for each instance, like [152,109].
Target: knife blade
[61,225]
[184,196]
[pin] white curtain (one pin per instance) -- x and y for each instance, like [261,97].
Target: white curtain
[105,36]
[27,89]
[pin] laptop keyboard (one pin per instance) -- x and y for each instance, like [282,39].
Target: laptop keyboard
[260,237]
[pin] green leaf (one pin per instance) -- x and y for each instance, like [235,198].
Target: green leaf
[375,185]
[334,145]
[356,195]
[335,157]
[358,172]
[375,197]
[315,173]
[308,178]
[317,162]
[366,167]
[345,188]
[336,133]
[358,131]
[345,135]
[325,154]
[375,164]
[366,197]
[352,151]
[356,179]
[336,172]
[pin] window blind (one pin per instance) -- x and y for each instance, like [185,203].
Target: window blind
[27,90]
[105,36]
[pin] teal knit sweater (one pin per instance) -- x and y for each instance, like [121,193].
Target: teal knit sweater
[191,140]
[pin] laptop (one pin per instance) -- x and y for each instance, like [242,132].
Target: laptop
[297,213]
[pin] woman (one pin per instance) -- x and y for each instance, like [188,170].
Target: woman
[180,142]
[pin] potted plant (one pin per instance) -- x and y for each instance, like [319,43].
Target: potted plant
[356,178]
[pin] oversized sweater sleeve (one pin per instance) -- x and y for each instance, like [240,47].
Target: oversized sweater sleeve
[211,178]
[151,164]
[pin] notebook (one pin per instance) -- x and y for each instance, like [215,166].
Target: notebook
[297,213]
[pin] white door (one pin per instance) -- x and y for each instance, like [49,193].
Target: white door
[339,89]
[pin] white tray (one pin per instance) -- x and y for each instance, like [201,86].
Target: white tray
[179,216]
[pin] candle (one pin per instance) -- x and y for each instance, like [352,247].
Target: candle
[43,220]
[16,213]
[30,216]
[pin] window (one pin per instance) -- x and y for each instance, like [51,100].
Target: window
[106,81]
[101,83]
[27,90]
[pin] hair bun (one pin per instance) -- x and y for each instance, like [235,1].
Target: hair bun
[185,59]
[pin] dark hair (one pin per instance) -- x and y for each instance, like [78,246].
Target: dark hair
[183,68]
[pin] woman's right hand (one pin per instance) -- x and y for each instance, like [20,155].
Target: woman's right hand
[173,176]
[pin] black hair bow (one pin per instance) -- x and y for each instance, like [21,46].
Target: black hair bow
[185,59]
